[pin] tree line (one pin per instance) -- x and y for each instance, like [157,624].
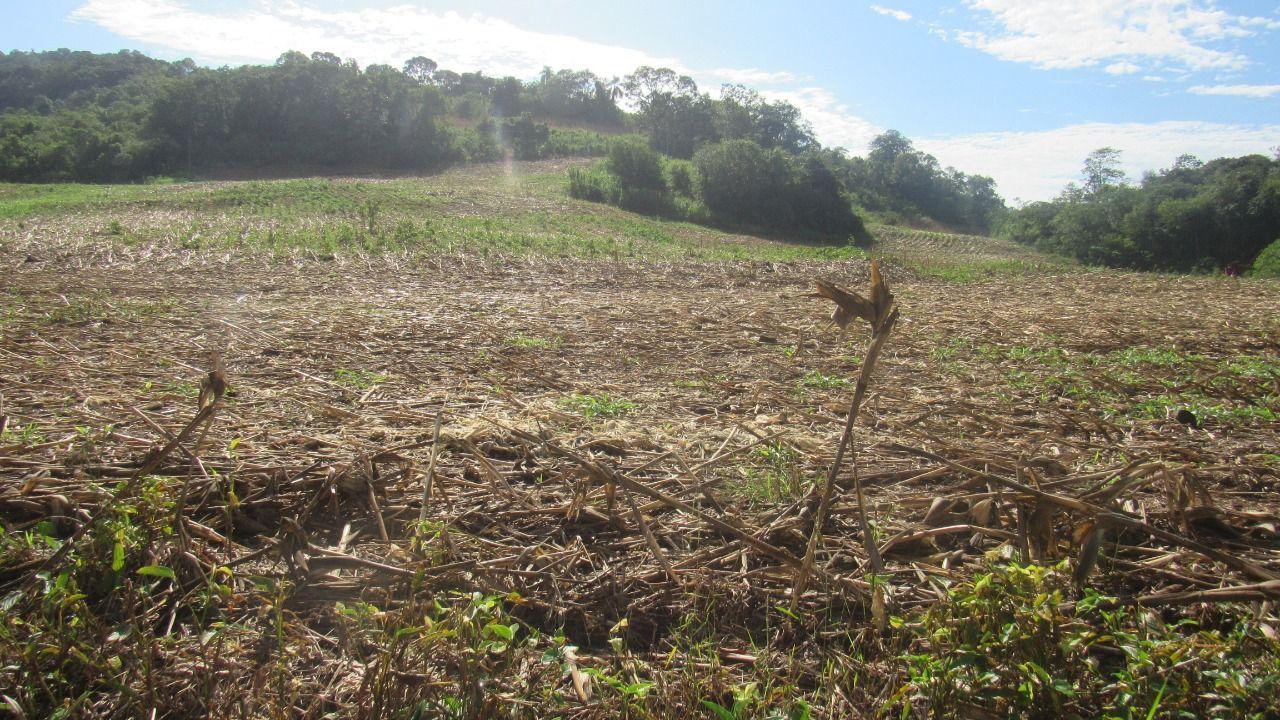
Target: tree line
[86,117]
[1191,216]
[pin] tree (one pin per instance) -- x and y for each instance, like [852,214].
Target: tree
[647,82]
[744,113]
[887,146]
[420,68]
[1102,168]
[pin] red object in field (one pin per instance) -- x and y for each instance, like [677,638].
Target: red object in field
[1233,269]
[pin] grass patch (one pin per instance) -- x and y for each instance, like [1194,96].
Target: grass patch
[358,379]
[525,342]
[480,210]
[26,435]
[1136,383]
[976,271]
[774,474]
[818,381]
[1254,367]
[101,307]
[600,405]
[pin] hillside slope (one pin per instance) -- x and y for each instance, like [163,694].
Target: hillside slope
[517,208]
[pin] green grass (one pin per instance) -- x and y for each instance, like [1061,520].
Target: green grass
[773,473]
[819,381]
[1137,383]
[602,405]
[525,342]
[965,272]
[480,210]
[358,379]
[25,435]
[961,259]
[102,307]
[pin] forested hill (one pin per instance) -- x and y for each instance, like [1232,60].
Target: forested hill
[78,116]
[1194,215]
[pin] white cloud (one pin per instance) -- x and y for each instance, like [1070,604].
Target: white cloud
[1052,34]
[383,35]
[373,35]
[902,15]
[749,76]
[835,123]
[1122,68]
[1257,91]
[1037,165]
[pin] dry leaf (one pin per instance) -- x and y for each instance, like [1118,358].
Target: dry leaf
[1089,550]
[849,305]
[214,385]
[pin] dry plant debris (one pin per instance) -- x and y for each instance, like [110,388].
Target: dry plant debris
[382,489]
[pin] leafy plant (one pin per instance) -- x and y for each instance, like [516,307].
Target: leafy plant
[26,435]
[1004,643]
[358,379]
[531,343]
[1267,264]
[817,380]
[600,405]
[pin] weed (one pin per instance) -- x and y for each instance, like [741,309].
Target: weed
[774,475]
[532,343]
[1005,644]
[101,307]
[1139,356]
[817,380]
[1253,367]
[358,379]
[27,435]
[979,270]
[601,405]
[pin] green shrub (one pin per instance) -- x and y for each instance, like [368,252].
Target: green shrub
[477,144]
[526,137]
[1267,264]
[575,142]
[595,184]
[680,177]
[742,183]
[646,201]
[636,165]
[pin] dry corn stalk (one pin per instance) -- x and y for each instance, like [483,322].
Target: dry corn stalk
[881,313]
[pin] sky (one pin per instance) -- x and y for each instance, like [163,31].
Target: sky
[1020,90]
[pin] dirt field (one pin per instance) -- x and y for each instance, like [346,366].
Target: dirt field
[626,474]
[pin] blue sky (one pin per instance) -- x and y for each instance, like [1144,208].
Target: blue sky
[1020,90]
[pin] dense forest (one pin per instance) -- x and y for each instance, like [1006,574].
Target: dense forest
[1192,216]
[80,116]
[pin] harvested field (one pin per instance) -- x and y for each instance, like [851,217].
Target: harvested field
[627,469]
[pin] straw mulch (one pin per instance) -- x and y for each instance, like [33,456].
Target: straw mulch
[321,467]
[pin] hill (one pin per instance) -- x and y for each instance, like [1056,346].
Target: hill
[517,208]
[75,116]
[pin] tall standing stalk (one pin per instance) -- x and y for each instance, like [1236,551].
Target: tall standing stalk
[882,313]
